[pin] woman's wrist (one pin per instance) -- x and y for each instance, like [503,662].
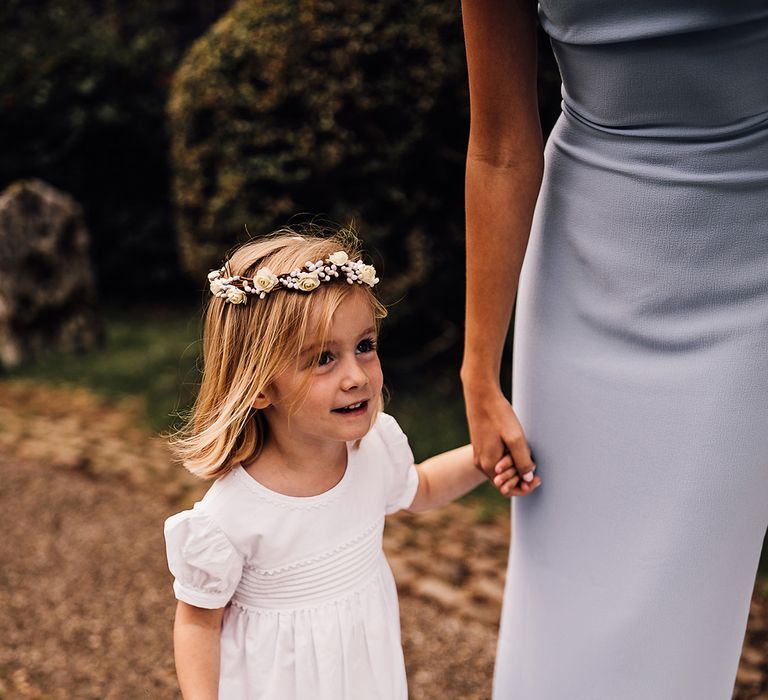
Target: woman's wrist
[476,379]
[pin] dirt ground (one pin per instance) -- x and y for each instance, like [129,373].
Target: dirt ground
[85,596]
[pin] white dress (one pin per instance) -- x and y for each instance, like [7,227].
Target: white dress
[311,605]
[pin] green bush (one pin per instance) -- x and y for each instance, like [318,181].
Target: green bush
[353,110]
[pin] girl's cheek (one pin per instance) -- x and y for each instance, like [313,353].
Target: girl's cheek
[322,385]
[377,377]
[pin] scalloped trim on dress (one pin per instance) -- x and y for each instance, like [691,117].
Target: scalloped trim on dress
[319,557]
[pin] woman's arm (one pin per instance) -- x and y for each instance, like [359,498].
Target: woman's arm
[196,634]
[504,170]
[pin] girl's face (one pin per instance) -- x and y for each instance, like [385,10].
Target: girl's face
[344,387]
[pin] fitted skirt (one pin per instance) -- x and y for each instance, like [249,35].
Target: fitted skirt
[641,380]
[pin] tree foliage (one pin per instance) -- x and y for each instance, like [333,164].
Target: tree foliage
[357,111]
[352,110]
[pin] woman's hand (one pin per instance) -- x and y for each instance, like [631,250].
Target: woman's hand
[500,448]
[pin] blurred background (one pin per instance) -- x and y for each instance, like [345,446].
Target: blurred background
[139,142]
[175,130]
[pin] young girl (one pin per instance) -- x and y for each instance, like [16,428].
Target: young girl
[283,588]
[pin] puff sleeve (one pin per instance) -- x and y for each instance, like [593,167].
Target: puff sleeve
[206,567]
[404,479]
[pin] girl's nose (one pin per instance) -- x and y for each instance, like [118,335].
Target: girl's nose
[353,377]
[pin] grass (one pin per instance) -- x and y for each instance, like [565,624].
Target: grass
[150,352]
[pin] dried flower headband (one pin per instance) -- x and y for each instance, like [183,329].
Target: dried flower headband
[236,289]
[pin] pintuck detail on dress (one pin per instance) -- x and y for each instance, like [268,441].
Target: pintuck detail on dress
[315,581]
[312,607]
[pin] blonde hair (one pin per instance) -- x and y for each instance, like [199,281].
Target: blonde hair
[246,346]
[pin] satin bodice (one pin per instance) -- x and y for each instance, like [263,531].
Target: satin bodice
[660,67]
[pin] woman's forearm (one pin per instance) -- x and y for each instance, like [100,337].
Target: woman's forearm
[196,634]
[500,198]
[504,170]
[505,164]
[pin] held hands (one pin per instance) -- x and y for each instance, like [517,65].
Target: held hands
[509,482]
[500,448]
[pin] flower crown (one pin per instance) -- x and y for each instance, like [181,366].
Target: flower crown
[235,289]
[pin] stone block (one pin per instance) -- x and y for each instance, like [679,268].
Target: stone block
[47,289]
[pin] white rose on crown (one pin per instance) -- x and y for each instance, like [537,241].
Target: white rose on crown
[217,286]
[367,274]
[308,282]
[265,280]
[338,258]
[236,296]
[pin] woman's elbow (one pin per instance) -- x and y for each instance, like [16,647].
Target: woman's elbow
[507,156]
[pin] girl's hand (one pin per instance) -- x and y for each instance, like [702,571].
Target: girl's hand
[509,482]
[495,432]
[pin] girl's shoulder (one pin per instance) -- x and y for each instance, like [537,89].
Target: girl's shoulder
[387,434]
[387,446]
[386,424]
[222,495]
[224,512]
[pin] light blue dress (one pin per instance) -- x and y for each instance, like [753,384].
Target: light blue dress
[641,358]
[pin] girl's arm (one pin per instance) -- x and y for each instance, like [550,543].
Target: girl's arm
[504,171]
[196,634]
[444,478]
[448,476]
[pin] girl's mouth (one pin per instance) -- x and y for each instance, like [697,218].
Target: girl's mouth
[353,409]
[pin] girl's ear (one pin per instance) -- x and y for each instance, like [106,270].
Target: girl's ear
[261,401]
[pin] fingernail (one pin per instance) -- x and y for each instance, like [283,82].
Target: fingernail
[528,476]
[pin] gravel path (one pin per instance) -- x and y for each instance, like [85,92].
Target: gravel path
[86,605]
[88,608]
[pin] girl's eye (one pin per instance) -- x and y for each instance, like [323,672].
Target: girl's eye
[367,345]
[325,358]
